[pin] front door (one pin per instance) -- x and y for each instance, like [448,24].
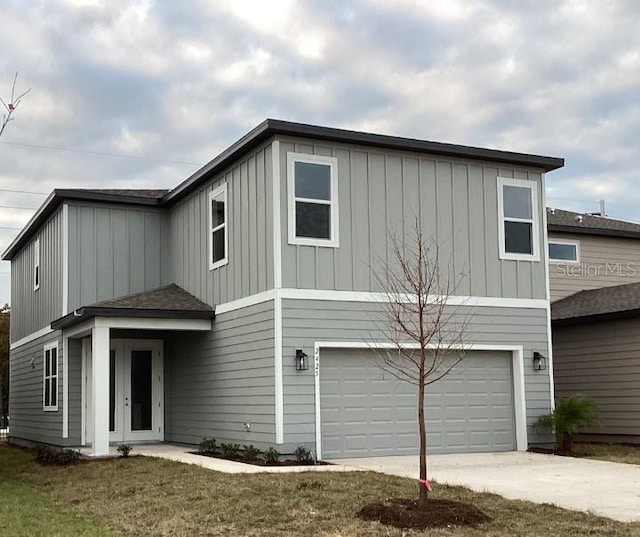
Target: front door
[135,391]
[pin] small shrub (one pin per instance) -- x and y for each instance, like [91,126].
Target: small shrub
[250,451]
[271,455]
[230,450]
[51,455]
[208,445]
[303,455]
[570,415]
[124,450]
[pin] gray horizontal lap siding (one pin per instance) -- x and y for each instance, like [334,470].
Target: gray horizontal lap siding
[33,310]
[216,381]
[602,360]
[456,201]
[28,419]
[250,215]
[306,321]
[114,251]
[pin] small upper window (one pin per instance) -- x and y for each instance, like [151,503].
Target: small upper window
[564,251]
[50,377]
[36,265]
[518,208]
[313,200]
[218,227]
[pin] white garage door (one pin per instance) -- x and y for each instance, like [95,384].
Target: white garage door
[365,411]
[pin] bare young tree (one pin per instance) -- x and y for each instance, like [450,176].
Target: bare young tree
[425,333]
[11,105]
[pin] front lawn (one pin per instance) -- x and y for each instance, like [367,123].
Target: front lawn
[144,496]
[629,454]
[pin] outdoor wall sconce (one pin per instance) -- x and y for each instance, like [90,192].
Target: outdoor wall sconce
[539,361]
[302,360]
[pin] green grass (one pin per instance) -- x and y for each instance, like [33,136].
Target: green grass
[143,496]
[608,452]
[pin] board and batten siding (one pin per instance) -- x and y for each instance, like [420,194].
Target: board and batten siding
[306,321]
[602,361]
[33,310]
[381,191]
[28,419]
[250,215]
[115,250]
[604,261]
[217,381]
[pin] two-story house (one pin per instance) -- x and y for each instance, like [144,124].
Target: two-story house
[595,288]
[143,316]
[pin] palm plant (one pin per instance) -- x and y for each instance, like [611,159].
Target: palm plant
[569,417]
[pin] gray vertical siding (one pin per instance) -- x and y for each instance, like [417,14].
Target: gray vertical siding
[305,322]
[33,310]
[28,419]
[115,250]
[216,381]
[602,361]
[250,215]
[455,201]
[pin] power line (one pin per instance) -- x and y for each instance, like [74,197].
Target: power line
[12,228]
[99,153]
[13,207]
[24,192]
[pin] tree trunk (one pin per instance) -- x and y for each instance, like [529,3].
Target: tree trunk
[424,492]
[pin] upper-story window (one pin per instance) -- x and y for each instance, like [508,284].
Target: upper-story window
[313,200]
[36,265]
[563,251]
[218,228]
[518,219]
[50,377]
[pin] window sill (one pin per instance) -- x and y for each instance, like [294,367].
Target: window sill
[50,409]
[218,264]
[520,257]
[300,241]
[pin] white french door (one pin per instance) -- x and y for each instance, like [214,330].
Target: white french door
[135,391]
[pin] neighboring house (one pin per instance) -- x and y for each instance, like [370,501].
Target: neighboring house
[142,316]
[595,277]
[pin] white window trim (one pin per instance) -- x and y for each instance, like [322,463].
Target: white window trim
[332,162]
[36,265]
[54,374]
[212,195]
[568,242]
[535,220]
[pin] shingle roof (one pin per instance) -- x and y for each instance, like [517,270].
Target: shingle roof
[170,301]
[568,221]
[618,300]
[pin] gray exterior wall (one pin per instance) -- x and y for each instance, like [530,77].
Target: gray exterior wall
[33,310]
[604,261]
[381,191]
[28,419]
[115,250]
[216,381]
[602,361]
[305,322]
[250,212]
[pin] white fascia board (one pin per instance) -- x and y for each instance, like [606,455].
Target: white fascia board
[277,278]
[31,337]
[153,324]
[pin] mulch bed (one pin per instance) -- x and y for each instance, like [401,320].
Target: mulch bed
[404,513]
[262,462]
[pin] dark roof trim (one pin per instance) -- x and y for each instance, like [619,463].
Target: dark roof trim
[82,314]
[569,321]
[594,231]
[53,201]
[273,127]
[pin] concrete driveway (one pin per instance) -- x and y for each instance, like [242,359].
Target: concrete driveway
[604,488]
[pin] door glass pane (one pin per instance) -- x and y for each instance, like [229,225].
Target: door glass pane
[112,391]
[141,408]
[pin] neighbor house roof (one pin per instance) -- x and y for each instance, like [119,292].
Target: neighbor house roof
[169,302]
[262,133]
[570,222]
[603,303]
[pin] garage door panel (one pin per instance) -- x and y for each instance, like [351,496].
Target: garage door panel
[367,412]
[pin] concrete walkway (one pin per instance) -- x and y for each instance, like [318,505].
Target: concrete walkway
[604,488]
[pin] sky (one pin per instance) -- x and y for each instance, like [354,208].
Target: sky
[140,94]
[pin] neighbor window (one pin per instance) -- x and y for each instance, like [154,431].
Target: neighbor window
[36,265]
[564,251]
[313,200]
[518,219]
[218,228]
[50,378]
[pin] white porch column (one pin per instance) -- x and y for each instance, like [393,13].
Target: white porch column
[100,389]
